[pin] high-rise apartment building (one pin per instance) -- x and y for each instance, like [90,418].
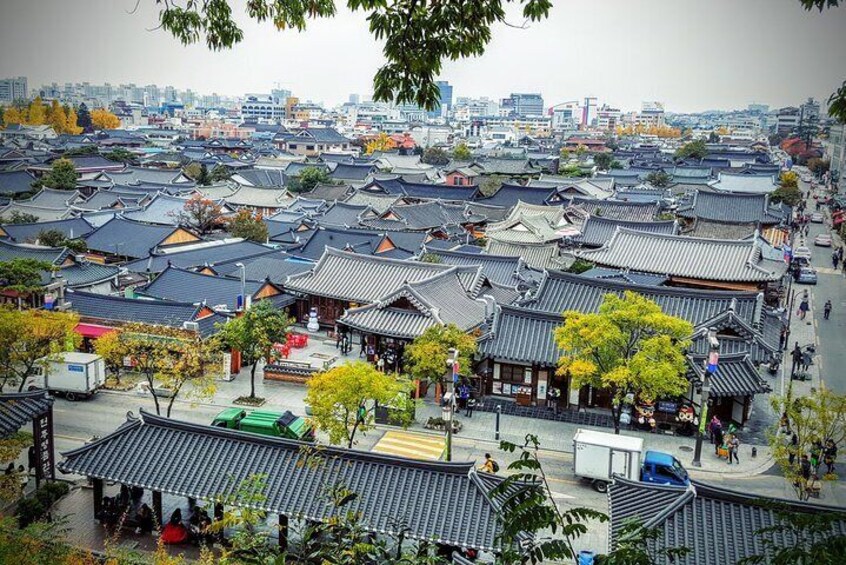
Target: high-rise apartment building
[524,104]
[12,89]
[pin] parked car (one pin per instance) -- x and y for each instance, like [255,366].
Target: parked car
[807,275]
[266,422]
[802,253]
[823,240]
[817,218]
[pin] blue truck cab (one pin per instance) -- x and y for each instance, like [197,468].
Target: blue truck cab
[663,469]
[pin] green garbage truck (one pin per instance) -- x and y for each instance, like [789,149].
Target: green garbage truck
[266,422]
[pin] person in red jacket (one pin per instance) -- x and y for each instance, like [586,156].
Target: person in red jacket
[175,531]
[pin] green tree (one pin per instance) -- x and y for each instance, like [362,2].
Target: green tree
[629,347]
[254,333]
[30,339]
[121,155]
[417,35]
[430,258]
[248,225]
[435,156]
[814,418]
[713,137]
[83,118]
[18,217]
[220,173]
[462,152]
[427,355]
[790,195]
[692,150]
[527,507]
[659,179]
[174,362]
[23,274]
[62,175]
[491,184]
[56,238]
[818,166]
[579,266]
[198,172]
[343,400]
[308,178]
[603,161]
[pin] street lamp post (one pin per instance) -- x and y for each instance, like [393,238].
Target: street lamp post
[705,396]
[452,365]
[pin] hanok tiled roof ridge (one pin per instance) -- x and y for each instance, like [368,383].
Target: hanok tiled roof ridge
[53,255]
[73,228]
[139,238]
[559,291]
[17,409]
[506,270]
[715,524]
[736,375]
[150,452]
[597,230]
[630,211]
[728,207]
[519,335]
[688,257]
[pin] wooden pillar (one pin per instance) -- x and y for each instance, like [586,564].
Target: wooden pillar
[157,508]
[98,497]
[283,532]
[218,517]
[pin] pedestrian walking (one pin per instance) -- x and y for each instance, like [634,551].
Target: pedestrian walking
[796,354]
[829,455]
[733,447]
[718,439]
[463,395]
[552,396]
[816,456]
[804,306]
[827,309]
[840,253]
[712,426]
[806,361]
[794,446]
[835,259]
[805,468]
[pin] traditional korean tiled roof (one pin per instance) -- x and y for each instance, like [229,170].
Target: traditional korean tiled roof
[718,230]
[144,175]
[716,525]
[522,336]
[261,178]
[72,228]
[87,273]
[16,182]
[597,231]
[597,187]
[53,198]
[625,277]
[274,266]
[509,195]
[423,216]
[127,238]
[393,492]
[736,376]
[257,197]
[43,214]
[356,241]
[330,192]
[18,409]
[116,310]
[558,292]
[53,255]
[615,210]
[536,256]
[377,201]
[731,208]
[163,209]
[198,255]
[220,293]
[343,214]
[501,269]
[352,173]
[756,184]
[696,258]
[103,199]
[408,311]
[366,279]
[423,191]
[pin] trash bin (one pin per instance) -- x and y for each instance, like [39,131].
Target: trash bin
[587,557]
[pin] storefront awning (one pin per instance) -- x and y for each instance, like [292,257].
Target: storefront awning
[92,330]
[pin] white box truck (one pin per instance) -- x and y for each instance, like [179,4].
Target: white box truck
[72,374]
[598,456]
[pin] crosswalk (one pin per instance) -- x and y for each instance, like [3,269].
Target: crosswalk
[410,444]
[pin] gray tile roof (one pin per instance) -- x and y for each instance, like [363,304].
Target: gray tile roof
[564,291]
[43,214]
[407,312]
[377,201]
[706,259]
[502,269]
[117,310]
[160,454]
[275,266]
[757,184]
[508,195]
[220,293]
[352,173]
[163,209]
[53,198]
[718,230]
[718,526]
[127,238]
[198,256]
[536,256]
[522,336]
[736,376]
[72,228]
[53,255]
[259,197]
[597,231]
[731,208]
[87,273]
[143,175]
[627,277]
[628,211]
[18,409]
[16,182]
[343,214]
[330,192]
[263,178]
[364,278]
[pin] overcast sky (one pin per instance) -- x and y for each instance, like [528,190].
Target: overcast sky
[690,54]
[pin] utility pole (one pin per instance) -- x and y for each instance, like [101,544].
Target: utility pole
[452,365]
[710,370]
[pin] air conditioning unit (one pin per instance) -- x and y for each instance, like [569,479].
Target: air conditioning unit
[191,326]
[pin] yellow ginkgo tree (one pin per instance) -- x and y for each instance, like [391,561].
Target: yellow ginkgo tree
[629,348]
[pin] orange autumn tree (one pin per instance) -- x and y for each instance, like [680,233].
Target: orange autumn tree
[103,119]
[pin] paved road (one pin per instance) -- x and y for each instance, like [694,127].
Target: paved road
[831,334]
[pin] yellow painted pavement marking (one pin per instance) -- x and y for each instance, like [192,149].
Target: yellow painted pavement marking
[407,444]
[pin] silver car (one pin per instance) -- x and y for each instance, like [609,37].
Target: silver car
[807,275]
